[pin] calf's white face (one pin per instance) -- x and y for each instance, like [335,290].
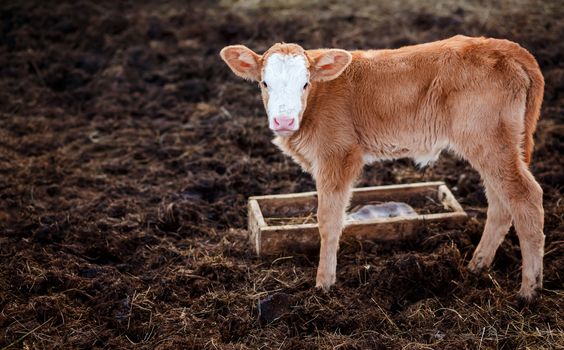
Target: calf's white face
[284,86]
[284,74]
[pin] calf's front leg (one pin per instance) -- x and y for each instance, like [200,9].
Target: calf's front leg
[330,215]
[334,185]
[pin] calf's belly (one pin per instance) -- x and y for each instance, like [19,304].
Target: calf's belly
[422,155]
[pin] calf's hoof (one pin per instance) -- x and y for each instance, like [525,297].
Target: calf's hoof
[528,294]
[526,300]
[477,265]
[324,282]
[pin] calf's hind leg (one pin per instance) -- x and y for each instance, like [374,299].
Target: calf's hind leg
[498,223]
[509,178]
[525,199]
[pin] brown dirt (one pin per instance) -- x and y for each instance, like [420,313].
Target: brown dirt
[127,152]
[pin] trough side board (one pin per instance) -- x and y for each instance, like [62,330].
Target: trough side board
[305,238]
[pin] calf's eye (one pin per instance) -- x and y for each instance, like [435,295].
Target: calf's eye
[264,84]
[306,85]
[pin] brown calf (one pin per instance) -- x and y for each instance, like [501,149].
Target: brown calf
[334,111]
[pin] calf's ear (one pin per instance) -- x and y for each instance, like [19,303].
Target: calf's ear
[328,64]
[243,61]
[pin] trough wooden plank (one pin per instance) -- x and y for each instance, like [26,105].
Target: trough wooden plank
[448,199]
[256,222]
[305,237]
[386,189]
[308,200]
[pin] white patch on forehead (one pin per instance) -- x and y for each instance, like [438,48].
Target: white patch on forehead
[285,76]
[281,67]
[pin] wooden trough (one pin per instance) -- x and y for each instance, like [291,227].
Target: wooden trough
[296,236]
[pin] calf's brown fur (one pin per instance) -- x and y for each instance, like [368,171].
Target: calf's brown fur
[477,97]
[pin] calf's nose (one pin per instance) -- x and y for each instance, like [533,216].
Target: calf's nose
[283,123]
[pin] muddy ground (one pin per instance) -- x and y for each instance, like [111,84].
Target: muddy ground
[127,152]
